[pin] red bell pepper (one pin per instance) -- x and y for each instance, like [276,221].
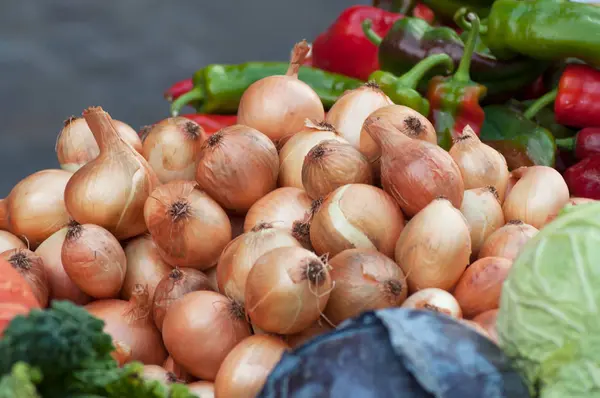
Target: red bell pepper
[583,178]
[212,123]
[424,12]
[586,143]
[344,49]
[178,89]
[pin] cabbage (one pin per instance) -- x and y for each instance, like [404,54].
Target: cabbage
[549,320]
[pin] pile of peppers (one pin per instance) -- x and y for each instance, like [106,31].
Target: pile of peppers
[522,74]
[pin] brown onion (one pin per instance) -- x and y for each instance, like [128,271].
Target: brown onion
[414,172]
[177,214]
[130,323]
[356,216]
[574,201]
[318,328]
[364,280]
[94,260]
[434,247]
[203,389]
[158,373]
[171,148]
[508,240]
[201,329]
[180,373]
[9,241]
[31,267]
[331,164]
[76,146]
[173,287]
[246,368]
[110,191]
[278,105]
[487,320]
[483,212]
[434,299]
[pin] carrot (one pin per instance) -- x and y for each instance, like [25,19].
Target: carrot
[16,297]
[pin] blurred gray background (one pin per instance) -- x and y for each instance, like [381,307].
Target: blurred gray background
[58,57]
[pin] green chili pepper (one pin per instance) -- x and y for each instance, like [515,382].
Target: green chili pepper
[447,8]
[545,118]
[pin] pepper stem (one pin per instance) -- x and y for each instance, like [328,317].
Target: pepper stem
[412,78]
[373,37]
[540,104]
[566,143]
[463,72]
[461,22]
[195,94]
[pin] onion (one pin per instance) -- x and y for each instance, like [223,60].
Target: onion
[478,289]
[278,105]
[364,280]
[508,241]
[203,389]
[31,268]
[539,193]
[158,373]
[177,214]
[174,286]
[60,285]
[434,247]
[356,216]
[483,212]
[130,323]
[331,164]
[434,299]
[487,320]
[110,191]
[240,255]
[351,110]
[287,290]
[144,266]
[574,201]
[201,329]
[180,373]
[76,146]
[480,165]
[171,148]
[414,172]
[292,154]
[245,370]
[316,329]
[94,260]
[9,241]
[35,207]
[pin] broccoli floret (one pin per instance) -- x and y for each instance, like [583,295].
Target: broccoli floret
[20,383]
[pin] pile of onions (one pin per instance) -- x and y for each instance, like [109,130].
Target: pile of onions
[245,370]
[483,212]
[158,373]
[9,241]
[278,105]
[31,268]
[177,214]
[414,172]
[173,287]
[237,166]
[35,207]
[479,288]
[434,247]
[240,255]
[144,266]
[94,260]
[287,290]
[331,164]
[356,216]
[129,323]
[480,165]
[487,320]
[180,373]
[110,191]
[76,146]
[171,148]
[201,329]
[434,299]
[508,240]
[364,280]
[319,327]
[538,193]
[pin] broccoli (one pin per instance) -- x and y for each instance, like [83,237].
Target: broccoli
[20,383]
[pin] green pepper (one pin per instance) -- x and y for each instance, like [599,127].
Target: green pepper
[544,117]
[219,88]
[402,90]
[447,8]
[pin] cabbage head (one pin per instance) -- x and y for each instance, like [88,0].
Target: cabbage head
[549,318]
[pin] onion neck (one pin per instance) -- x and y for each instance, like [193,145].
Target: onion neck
[299,54]
[4,214]
[103,129]
[384,133]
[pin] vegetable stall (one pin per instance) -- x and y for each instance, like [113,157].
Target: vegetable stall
[407,207]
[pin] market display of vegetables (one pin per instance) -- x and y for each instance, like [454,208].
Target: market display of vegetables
[408,207]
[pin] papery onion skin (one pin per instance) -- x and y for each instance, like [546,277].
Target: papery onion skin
[246,368]
[356,216]
[508,240]
[487,320]
[434,247]
[31,267]
[9,241]
[180,373]
[171,147]
[176,214]
[319,327]
[158,373]
[203,389]
[479,288]
[363,280]
[201,329]
[287,290]
[483,212]
[434,299]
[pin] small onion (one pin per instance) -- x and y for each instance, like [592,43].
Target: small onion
[287,290]
[9,241]
[31,267]
[434,299]
[483,212]
[180,373]
[364,280]
[158,373]
[487,320]
[508,241]
[356,216]
[434,247]
[318,328]
[201,329]
[203,389]
[246,368]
